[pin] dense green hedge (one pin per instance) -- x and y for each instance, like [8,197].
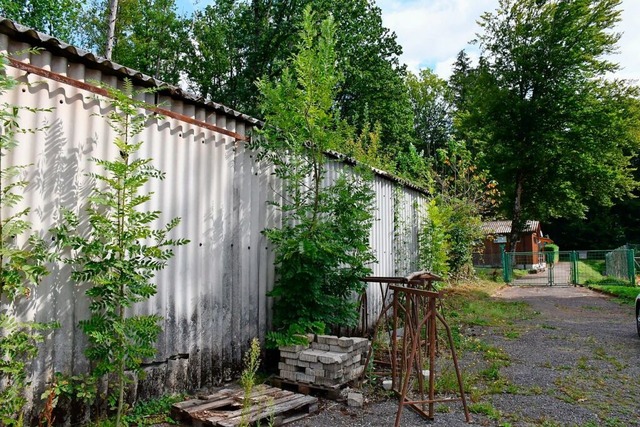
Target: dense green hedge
[552,253]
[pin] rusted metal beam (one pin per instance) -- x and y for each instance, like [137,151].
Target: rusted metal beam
[29,68]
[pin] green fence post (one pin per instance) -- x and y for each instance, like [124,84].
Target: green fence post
[574,267]
[505,265]
[631,266]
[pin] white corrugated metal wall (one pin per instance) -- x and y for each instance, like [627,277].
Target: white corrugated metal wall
[213,293]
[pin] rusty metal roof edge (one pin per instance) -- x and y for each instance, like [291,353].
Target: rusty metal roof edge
[37,39]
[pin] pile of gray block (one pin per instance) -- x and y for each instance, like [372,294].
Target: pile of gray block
[326,361]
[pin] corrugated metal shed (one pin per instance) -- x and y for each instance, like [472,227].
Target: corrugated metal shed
[212,296]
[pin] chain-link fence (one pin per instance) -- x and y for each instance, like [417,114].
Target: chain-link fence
[566,268]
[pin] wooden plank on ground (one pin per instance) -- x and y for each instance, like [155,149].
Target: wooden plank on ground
[224,408]
[306,404]
[268,399]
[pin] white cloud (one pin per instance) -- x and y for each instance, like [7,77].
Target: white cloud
[432,32]
[628,56]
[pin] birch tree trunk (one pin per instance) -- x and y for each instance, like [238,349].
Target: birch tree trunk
[111,33]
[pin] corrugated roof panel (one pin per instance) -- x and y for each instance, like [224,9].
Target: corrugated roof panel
[504,227]
[60,48]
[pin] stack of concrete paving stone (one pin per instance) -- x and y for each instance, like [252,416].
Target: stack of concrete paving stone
[328,361]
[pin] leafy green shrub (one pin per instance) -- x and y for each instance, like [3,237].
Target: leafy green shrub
[551,253]
[322,248]
[22,265]
[121,252]
[433,243]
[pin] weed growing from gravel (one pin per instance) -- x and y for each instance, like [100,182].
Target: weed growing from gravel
[485,408]
[512,335]
[601,354]
[583,363]
[443,409]
[492,373]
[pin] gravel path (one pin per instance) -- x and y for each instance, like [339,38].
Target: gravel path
[576,363]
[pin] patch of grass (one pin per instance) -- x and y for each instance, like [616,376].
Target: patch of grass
[573,392]
[447,381]
[512,335]
[146,413]
[545,326]
[626,293]
[590,270]
[496,275]
[488,273]
[601,354]
[485,408]
[489,352]
[535,390]
[501,386]
[473,305]
[443,409]
[491,373]
[519,274]
[583,364]
[153,411]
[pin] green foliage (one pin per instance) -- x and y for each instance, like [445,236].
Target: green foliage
[432,102]
[452,229]
[551,253]
[74,387]
[121,252]
[248,379]
[57,18]
[22,259]
[153,411]
[295,334]
[150,37]
[543,119]
[473,305]
[18,345]
[236,43]
[485,408]
[322,247]
[413,166]
[66,389]
[433,242]
[617,288]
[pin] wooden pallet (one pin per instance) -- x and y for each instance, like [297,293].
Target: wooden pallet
[269,406]
[331,393]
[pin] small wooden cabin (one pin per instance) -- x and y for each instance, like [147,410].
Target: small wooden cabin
[530,245]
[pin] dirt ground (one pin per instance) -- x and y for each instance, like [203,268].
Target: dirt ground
[576,362]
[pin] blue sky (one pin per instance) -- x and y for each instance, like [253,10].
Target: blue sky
[432,32]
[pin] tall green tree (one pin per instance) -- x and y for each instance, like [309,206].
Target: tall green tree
[150,36]
[237,42]
[121,252]
[541,116]
[57,18]
[322,248]
[432,102]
